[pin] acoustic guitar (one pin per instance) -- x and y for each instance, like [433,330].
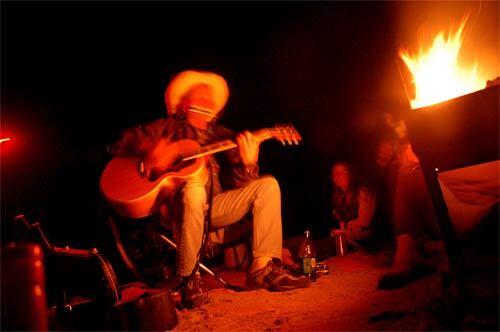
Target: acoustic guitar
[136,188]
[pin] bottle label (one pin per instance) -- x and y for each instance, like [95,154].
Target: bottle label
[313,263]
[306,265]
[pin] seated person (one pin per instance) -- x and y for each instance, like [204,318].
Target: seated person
[195,101]
[414,224]
[353,203]
[469,194]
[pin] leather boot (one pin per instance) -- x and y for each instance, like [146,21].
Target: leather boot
[193,292]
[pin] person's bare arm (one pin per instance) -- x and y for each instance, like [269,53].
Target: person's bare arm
[366,210]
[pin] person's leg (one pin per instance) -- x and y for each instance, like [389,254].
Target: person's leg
[191,227]
[408,264]
[263,198]
[413,212]
[189,240]
[406,255]
[413,218]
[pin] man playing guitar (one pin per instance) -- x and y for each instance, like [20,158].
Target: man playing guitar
[194,102]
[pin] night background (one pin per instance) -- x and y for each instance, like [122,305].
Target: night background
[74,75]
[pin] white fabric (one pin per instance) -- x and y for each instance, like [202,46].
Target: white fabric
[470,192]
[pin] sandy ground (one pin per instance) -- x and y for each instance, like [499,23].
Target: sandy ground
[346,299]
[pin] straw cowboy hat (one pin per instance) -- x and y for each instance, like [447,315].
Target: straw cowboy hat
[206,92]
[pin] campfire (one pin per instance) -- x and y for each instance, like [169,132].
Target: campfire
[455,137]
[439,73]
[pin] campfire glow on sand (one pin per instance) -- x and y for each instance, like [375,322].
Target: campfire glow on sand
[437,73]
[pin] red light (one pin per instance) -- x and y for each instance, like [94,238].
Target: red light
[6,144]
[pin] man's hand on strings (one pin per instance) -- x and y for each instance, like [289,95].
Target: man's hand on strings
[248,146]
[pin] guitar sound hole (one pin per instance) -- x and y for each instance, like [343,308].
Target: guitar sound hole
[177,166]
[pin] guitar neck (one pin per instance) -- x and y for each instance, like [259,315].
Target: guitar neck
[228,144]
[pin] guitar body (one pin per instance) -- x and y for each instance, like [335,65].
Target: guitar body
[132,195]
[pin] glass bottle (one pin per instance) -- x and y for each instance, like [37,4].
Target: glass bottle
[307,255]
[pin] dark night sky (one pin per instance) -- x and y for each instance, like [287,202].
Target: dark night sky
[75,74]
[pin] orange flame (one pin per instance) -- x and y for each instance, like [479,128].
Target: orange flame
[437,75]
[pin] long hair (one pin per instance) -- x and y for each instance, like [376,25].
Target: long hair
[348,209]
[356,181]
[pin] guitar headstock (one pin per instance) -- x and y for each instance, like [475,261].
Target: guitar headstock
[286,134]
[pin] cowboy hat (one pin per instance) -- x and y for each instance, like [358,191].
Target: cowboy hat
[183,83]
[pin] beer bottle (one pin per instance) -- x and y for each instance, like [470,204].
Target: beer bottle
[307,255]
